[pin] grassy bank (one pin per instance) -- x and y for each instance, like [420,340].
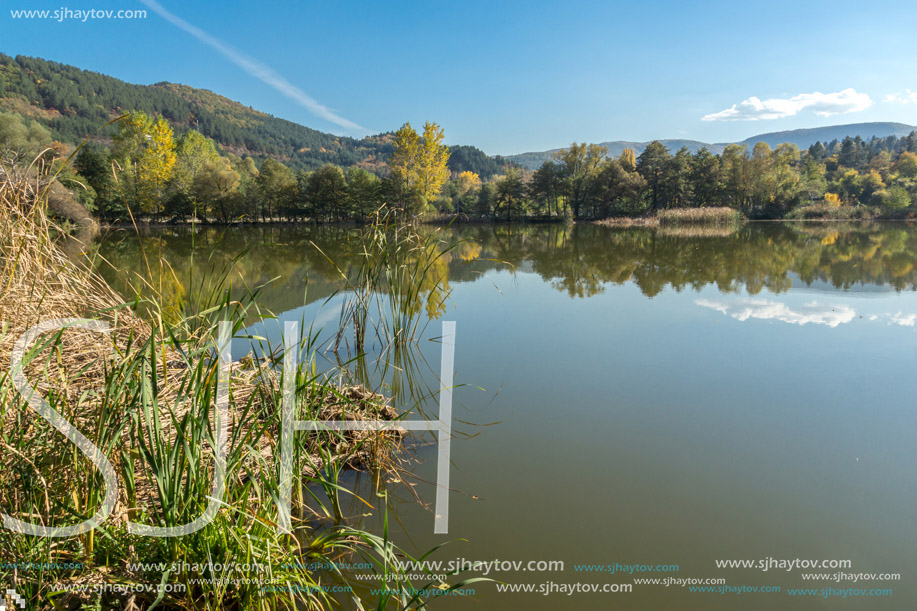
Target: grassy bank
[144,393]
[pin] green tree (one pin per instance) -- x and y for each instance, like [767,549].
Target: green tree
[579,165]
[652,164]
[364,192]
[906,165]
[547,187]
[93,163]
[619,190]
[705,177]
[735,170]
[21,140]
[326,193]
[484,206]
[276,188]
[510,195]
[216,186]
[848,154]
[194,153]
[677,183]
[895,198]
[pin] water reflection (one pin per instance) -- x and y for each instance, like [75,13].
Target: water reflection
[642,421]
[303,264]
[768,309]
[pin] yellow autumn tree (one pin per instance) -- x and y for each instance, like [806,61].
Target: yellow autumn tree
[421,163]
[628,160]
[467,181]
[832,199]
[433,161]
[404,160]
[146,151]
[156,164]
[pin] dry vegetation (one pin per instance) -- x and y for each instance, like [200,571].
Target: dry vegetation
[143,394]
[699,216]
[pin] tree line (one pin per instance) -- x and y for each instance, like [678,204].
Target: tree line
[583,182]
[149,171]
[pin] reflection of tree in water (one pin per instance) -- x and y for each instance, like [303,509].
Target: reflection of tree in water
[579,260]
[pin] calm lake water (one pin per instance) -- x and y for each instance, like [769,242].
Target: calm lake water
[646,397]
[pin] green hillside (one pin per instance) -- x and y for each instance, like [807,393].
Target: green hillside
[74,103]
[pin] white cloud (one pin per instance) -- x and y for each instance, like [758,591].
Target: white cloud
[255,68]
[765,309]
[908,97]
[905,320]
[823,104]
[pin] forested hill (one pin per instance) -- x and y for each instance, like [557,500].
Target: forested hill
[75,103]
[803,138]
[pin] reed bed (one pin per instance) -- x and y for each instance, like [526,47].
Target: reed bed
[700,216]
[144,394]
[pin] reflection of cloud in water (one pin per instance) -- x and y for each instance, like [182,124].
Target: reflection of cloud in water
[905,320]
[812,312]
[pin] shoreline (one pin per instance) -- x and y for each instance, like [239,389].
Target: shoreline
[619,223]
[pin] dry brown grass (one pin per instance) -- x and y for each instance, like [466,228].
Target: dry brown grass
[699,216]
[40,282]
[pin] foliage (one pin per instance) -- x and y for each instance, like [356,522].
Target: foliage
[21,139]
[183,153]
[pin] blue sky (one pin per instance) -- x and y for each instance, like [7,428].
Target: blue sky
[510,76]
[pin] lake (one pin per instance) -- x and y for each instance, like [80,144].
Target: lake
[662,398]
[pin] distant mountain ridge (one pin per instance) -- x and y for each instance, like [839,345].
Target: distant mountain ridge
[803,138]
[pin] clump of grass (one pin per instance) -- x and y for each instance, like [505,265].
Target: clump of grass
[145,394]
[398,278]
[700,216]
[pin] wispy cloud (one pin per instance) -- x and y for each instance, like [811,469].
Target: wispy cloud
[256,69]
[908,97]
[823,104]
[766,309]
